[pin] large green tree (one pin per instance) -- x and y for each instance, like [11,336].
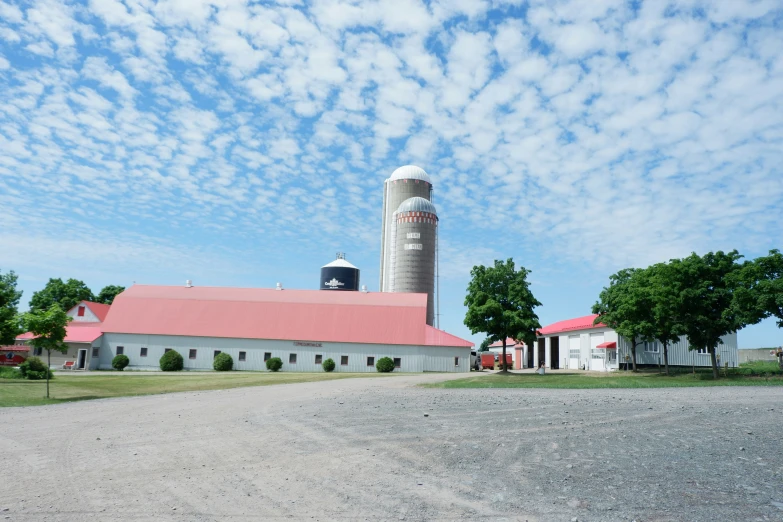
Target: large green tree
[49,328]
[501,305]
[65,294]
[707,305]
[769,288]
[664,294]
[9,301]
[108,293]
[625,307]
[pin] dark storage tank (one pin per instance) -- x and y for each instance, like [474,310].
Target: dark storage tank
[340,275]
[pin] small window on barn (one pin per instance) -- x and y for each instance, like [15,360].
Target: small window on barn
[242,356]
[456,361]
[80,312]
[96,351]
[166,350]
[192,353]
[703,351]
[267,356]
[120,350]
[319,359]
[37,351]
[397,362]
[217,352]
[143,352]
[292,358]
[371,361]
[344,360]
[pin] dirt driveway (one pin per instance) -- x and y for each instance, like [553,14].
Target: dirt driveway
[382,449]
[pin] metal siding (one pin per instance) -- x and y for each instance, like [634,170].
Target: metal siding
[681,355]
[414,358]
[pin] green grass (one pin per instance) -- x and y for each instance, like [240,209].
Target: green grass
[749,374]
[66,387]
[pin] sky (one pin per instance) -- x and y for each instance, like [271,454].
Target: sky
[237,143]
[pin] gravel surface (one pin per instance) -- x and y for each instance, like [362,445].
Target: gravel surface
[382,449]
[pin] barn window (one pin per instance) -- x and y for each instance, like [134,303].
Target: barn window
[80,312]
[95,351]
[344,360]
[371,361]
[143,352]
[242,356]
[319,358]
[120,350]
[397,362]
[192,353]
[703,351]
[456,361]
[651,346]
[292,358]
[166,350]
[267,356]
[37,351]
[217,352]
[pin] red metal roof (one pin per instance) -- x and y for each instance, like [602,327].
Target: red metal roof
[610,344]
[74,333]
[580,323]
[99,309]
[260,313]
[510,343]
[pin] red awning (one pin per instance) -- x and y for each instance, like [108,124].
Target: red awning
[607,345]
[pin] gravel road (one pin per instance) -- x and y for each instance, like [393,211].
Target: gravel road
[383,449]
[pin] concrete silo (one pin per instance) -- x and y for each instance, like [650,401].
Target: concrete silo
[414,251]
[405,182]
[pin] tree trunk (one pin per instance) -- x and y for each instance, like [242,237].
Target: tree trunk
[666,356]
[48,365]
[503,367]
[714,363]
[633,353]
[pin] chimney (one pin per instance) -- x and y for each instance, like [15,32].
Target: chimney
[279,286]
[188,284]
[364,288]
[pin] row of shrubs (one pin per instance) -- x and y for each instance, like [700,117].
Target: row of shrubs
[384,365]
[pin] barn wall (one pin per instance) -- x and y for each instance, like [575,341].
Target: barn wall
[413,358]
[681,355]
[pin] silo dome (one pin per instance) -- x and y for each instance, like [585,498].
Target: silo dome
[410,172]
[417,205]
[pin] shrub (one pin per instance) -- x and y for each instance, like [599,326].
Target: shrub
[223,363]
[120,362]
[328,365]
[385,365]
[6,372]
[171,361]
[34,369]
[274,364]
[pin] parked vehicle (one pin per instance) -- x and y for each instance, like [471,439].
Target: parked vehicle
[487,361]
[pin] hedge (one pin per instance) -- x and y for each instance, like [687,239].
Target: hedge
[171,361]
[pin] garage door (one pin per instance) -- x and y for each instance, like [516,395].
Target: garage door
[597,354]
[574,348]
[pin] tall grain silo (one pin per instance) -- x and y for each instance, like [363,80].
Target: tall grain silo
[414,252]
[405,182]
[339,275]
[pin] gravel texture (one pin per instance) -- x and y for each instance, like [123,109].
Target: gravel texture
[383,449]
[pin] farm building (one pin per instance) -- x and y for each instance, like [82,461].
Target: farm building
[83,337]
[517,349]
[579,344]
[301,327]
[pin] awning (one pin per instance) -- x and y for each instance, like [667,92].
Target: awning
[607,345]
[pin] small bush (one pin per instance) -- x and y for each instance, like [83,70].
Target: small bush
[171,361]
[328,365]
[120,362]
[274,364]
[34,369]
[223,363]
[6,372]
[385,365]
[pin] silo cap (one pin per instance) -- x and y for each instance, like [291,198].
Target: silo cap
[410,172]
[342,263]
[417,204]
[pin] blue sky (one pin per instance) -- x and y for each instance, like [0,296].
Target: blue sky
[243,144]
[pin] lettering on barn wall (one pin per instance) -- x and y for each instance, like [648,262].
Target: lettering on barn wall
[302,343]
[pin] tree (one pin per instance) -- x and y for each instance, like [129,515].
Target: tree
[66,295]
[9,300]
[707,304]
[769,287]
[664,296]
[501,304]
[624,306]
[49,328]
[484,347]
[108,293]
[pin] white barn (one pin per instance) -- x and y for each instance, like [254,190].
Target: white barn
[301,327]
[579,344]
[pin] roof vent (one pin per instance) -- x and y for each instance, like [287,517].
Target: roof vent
[279,286]
[364,288]
[188,284]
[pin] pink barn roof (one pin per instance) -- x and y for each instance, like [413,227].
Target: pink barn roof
[74,333]
[510,343]
[580,323]
[99,309]
[260,313]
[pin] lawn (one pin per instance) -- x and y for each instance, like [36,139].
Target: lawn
[68,387]
[749,374]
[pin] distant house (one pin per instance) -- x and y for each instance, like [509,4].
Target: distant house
[579,344]
[518,351]
[83,337]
